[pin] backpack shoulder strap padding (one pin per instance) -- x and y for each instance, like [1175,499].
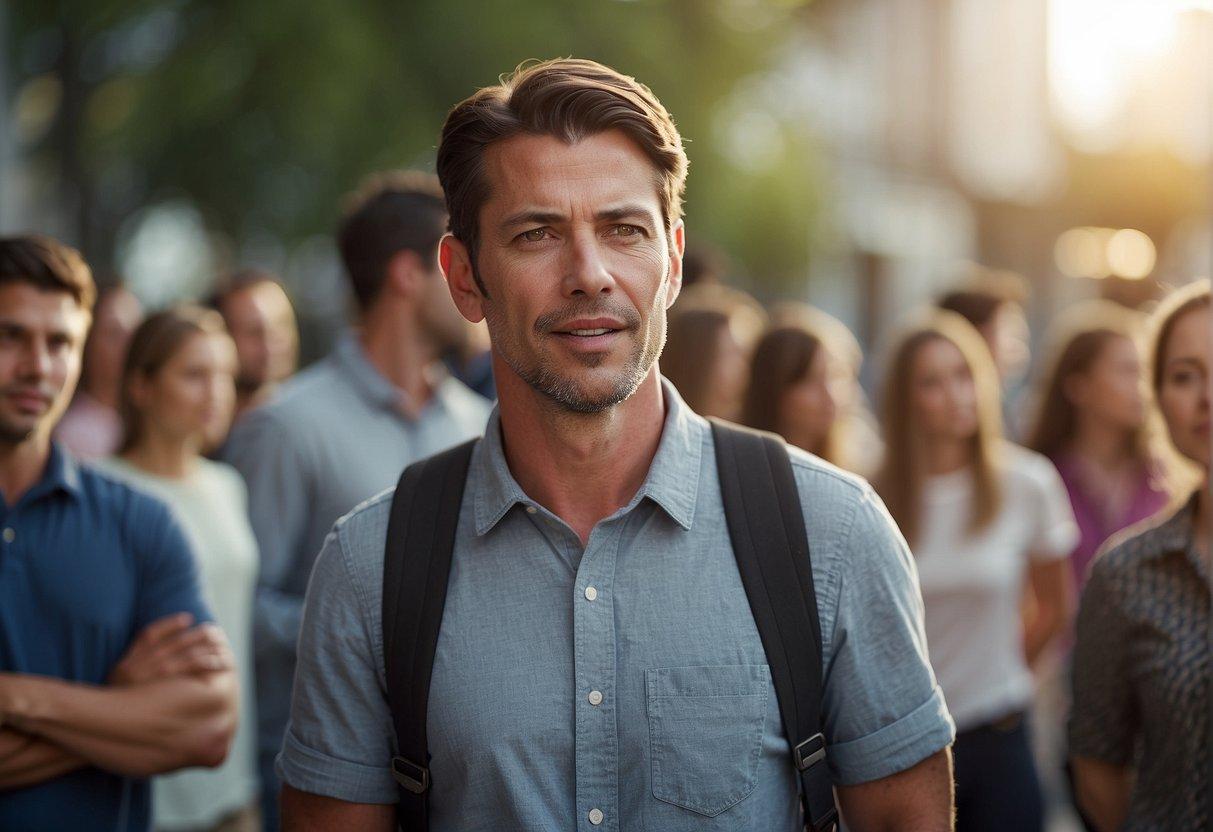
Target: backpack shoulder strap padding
[417,564]
[765,519]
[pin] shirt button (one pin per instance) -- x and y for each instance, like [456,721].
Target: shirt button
[595,816]
[595,697]
[531,509]
[591,594]
[9,535]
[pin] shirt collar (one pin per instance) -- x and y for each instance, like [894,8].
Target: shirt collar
[62,474]
[370,383]
[1174,534]
[672,481]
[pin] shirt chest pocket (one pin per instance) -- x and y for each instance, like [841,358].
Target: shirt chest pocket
[705,733]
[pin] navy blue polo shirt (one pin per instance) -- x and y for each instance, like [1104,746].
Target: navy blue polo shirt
[85,564]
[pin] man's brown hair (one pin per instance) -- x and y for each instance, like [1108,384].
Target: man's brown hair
[391,211]
[48,265]
[567,98]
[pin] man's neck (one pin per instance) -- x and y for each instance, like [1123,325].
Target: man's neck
[22,464]
[582,467]
[393,344]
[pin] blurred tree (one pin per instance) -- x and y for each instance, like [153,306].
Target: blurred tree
[263,114]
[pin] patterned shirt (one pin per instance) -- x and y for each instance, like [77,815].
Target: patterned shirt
[1142,671]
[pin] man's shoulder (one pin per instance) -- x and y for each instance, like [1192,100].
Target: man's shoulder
[361,534]
[830,496]
[114,501]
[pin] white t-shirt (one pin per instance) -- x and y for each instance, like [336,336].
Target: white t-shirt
[973,583]
[212,505]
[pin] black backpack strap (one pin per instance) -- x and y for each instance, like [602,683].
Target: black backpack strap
[416,566]
[766,526]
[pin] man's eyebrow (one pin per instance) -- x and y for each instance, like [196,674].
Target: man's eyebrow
[1183,359]
[532,216]
[625,212]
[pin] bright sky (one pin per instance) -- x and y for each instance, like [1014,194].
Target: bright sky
[1102,53]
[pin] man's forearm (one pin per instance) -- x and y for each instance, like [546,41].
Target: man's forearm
[918,799]
[136,730]
[26,760]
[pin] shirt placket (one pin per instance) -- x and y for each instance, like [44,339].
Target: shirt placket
[594,707]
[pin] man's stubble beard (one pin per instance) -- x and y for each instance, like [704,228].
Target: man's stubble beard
[565,391]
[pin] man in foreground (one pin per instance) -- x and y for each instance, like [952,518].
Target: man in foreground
[103,680]
[598,665]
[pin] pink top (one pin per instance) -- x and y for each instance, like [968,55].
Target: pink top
[1096,521]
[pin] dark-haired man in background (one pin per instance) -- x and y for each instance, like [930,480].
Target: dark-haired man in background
[339,432]
[103,680]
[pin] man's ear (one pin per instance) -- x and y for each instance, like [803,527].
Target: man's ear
[404,274]
[456,263]
[677,238]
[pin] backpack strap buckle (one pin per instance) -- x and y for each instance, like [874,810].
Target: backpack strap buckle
[810,752]
[410,776]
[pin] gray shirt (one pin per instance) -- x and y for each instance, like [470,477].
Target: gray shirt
[623,683]
[335,435]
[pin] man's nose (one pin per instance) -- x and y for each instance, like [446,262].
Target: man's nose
[586,272]
[36,361]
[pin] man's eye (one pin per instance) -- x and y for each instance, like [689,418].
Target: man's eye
[534,235]
[625,230]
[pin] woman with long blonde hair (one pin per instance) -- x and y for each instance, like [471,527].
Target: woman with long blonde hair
[1091,421]
[989,525]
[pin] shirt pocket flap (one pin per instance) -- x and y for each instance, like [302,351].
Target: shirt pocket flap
[705,733]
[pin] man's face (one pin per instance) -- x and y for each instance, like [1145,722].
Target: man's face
[262,324]
[578,265]
[41,342]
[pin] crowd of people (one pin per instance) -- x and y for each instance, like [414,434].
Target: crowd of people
[164,662]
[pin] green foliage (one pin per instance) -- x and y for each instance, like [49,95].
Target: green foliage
[264,113]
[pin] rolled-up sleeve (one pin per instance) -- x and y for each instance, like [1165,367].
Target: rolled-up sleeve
[884,711]
[339,740]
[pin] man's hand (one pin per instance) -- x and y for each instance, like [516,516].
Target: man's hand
[170,647]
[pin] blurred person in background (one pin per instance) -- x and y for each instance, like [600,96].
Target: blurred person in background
[342,430]
[703,264]
[104,681]
[179,389]
[1091,421]
[988,523]
[1142,680]
[804,385]
[992,301]
[711,333]
[92,426]
[261,321]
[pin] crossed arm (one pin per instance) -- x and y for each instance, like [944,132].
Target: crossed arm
[170,703]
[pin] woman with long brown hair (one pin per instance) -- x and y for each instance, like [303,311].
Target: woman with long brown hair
[1143,681]
[710,335]
[178,395]
[989,524]
[1091,421]
[804,386]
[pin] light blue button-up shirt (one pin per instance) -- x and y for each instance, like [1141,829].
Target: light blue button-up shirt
[333,436]
[622,686]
